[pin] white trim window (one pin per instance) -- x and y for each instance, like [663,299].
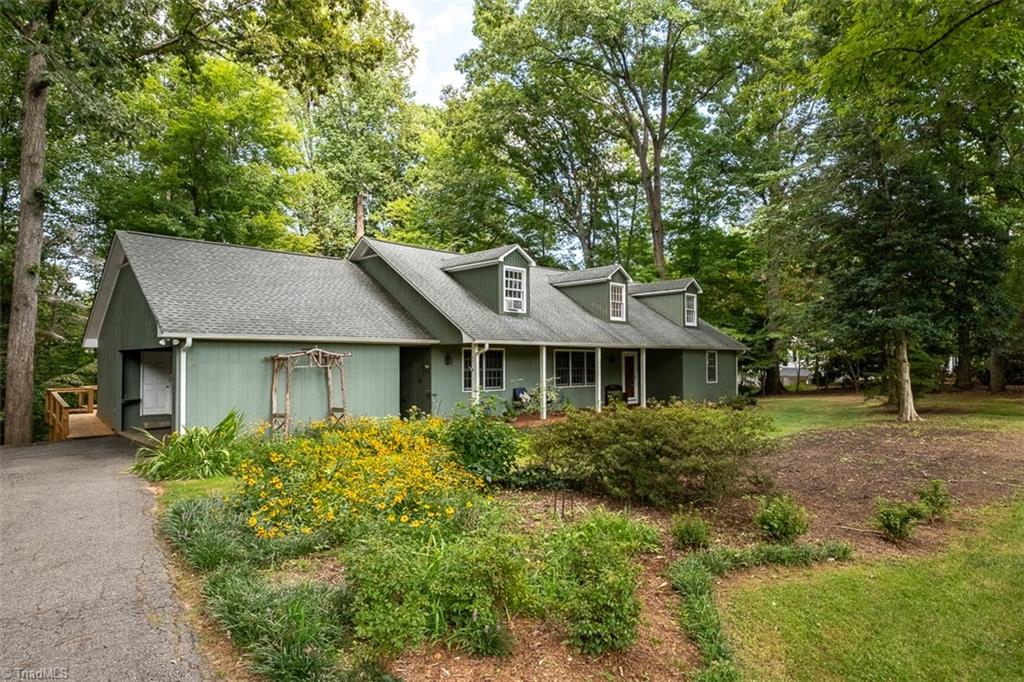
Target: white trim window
[617,301]
[515,289]
[691,310]
[492,370]
[575,368]
[712,366]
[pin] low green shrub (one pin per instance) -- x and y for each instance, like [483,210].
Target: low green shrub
[413,587]
[781,519]
[197,453]
[483,443]
[291,633]
[690,531]
[659,456]
[535,477]
[588,579]
[936,498]
[897,520]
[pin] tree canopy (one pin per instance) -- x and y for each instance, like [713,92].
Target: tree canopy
[843,178]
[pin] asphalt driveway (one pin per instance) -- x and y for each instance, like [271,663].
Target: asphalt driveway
[84,589]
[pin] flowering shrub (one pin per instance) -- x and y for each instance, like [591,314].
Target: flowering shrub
[365,470]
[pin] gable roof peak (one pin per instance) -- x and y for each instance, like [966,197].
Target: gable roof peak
[601,273]
[479,259]
[665,286]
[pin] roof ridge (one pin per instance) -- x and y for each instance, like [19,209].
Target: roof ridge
[413,246]
[237,246]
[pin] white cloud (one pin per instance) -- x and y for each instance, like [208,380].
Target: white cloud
[442,31]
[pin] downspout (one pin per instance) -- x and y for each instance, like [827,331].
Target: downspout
[182,376]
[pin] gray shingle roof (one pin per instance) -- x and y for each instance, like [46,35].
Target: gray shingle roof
[477,257]
[201,288]
[567,277]
[553,317]
[664,285]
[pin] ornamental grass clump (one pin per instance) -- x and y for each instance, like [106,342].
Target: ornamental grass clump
[198,452]
[367,470]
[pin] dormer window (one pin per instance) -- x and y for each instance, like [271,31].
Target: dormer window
[515,289]
[617,301]
[691,310]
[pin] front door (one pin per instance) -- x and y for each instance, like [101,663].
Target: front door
[629,377]
[156,382]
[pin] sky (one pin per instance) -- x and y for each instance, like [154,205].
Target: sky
[443,30]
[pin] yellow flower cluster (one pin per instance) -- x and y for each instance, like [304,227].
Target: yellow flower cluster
[389,469]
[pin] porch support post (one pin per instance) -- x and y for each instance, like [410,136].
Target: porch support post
[474,374]
[643,376]
[543,382]
[597,378]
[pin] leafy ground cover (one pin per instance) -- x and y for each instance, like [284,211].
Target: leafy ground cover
[953,615]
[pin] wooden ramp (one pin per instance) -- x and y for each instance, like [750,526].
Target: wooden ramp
[71,413]
[87,425]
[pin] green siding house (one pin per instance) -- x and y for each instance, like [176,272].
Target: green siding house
[186,330]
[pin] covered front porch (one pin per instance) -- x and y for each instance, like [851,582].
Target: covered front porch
[590,376]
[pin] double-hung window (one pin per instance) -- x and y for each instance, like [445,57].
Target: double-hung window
[515,289]
[712,366]
[691,310]
[617,301]
[492,370]
[574,368]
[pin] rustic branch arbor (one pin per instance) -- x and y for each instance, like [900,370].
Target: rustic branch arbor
[308,358]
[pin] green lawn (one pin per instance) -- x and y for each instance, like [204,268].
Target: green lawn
[804,412]
[952,616]
[176,490]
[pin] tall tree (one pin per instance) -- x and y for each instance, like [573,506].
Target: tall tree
[361,138]
[212,155]
[654,68]
[82,46]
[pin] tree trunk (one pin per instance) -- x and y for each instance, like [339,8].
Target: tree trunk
[997,373]
[904,389]
[773,381]
[854,375]
[21,338]
[360,201]
[964,375]
[650,178]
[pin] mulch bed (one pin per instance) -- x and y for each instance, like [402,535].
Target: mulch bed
[837,474]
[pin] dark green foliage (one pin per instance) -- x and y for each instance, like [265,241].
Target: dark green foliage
[936,498]
[197,453]
[690,531]
[897,520]
[483,443]
[535,477]
[588,578]
[291,633]
[657,456]
[409,588]
[781,519]
[210,533]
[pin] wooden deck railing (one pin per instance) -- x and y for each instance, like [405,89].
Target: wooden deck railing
[58,411]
